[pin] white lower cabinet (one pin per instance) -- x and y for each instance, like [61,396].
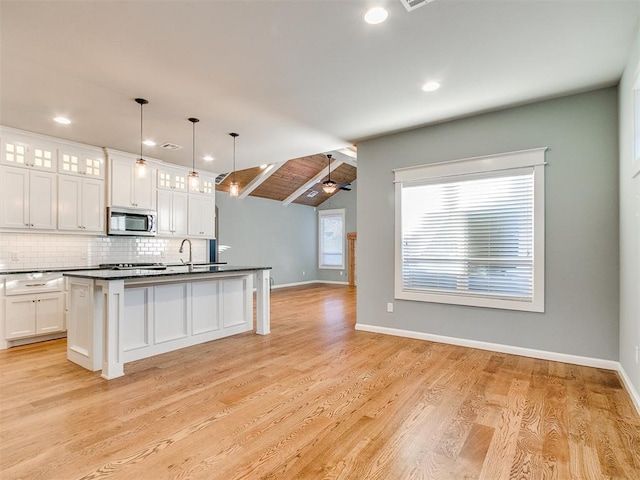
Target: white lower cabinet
[28,315]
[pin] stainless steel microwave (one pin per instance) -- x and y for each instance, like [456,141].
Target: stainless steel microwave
[131,221]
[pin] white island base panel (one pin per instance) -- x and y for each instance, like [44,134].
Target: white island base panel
[112,322]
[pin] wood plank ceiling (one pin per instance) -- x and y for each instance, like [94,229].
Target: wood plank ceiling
[288,180]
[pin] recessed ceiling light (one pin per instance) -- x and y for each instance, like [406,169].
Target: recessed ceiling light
[376,15]
[62,120]
[149,143]
[208,158]
[430,87]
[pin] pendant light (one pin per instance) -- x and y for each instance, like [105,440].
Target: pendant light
[329,186]
[193,175]
[141,165]
[233,187]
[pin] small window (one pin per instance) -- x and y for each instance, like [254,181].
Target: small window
[471,232]
[331,238]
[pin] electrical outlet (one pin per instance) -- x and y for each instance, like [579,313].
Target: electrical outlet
[14,257]
[341,272]
[390,307]
[304,273]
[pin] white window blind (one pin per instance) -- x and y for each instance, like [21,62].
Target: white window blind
[331,242]
[470,238]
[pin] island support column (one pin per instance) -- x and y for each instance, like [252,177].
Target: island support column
[113,313]
[263,302]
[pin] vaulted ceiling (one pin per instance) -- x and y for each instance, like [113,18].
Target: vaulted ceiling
[296,181]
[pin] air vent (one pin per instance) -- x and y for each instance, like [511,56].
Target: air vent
[170,146]
[220,178]
[413,4]
[312,194]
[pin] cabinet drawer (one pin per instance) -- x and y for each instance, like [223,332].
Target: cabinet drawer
[33,283]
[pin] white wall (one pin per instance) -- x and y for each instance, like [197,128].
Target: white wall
[582,273]
[629,225]
[264,232]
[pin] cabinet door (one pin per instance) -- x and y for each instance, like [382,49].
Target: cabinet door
[20,316]
[14,197]
[49,312]
[28,151]
[208,223]
[180,213]
[73,160]
[69,202]
[43,195]
[165,226]
[202,216]
[144,195]
[93,211]
[121,179]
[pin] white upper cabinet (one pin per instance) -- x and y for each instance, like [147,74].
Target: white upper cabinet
[27,151]
[84,161]
[202,216]
[28,199]
[206,185]
[172,213]
[129,186]
[172,179]
[80,204]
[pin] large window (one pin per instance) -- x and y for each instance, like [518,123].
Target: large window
[331,242]
[471,232]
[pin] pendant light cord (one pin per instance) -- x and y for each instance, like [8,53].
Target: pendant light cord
[141,135]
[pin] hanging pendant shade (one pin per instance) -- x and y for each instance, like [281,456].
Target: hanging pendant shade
[141,165]
[234,190]
[194,178]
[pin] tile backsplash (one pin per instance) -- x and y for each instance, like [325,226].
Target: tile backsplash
[36,250]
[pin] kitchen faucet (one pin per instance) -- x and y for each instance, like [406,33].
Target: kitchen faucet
[190,262]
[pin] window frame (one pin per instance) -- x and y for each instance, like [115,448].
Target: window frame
[499,163]
[636,124]
[329,213]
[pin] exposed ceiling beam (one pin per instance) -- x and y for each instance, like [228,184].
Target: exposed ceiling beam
[260,178]
[323,173]
[348,159]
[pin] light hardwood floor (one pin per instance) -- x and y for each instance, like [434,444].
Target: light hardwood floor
[315,399]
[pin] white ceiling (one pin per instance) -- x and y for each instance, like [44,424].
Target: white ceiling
[293,77]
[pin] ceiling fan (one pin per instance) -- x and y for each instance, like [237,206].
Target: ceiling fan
[329,186]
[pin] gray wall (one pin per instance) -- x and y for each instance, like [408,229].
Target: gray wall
[629,226]
[348,201]
[581,316]
[265,233]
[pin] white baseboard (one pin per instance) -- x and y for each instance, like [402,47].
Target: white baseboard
[295,284]
[495,347]
[633,393]
[309,282]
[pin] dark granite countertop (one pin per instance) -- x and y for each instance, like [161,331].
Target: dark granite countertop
[45,270]
[74,269]
[180,270]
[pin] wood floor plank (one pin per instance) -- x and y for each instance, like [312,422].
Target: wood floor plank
[315,399]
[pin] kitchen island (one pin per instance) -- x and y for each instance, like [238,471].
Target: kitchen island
[118,316]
